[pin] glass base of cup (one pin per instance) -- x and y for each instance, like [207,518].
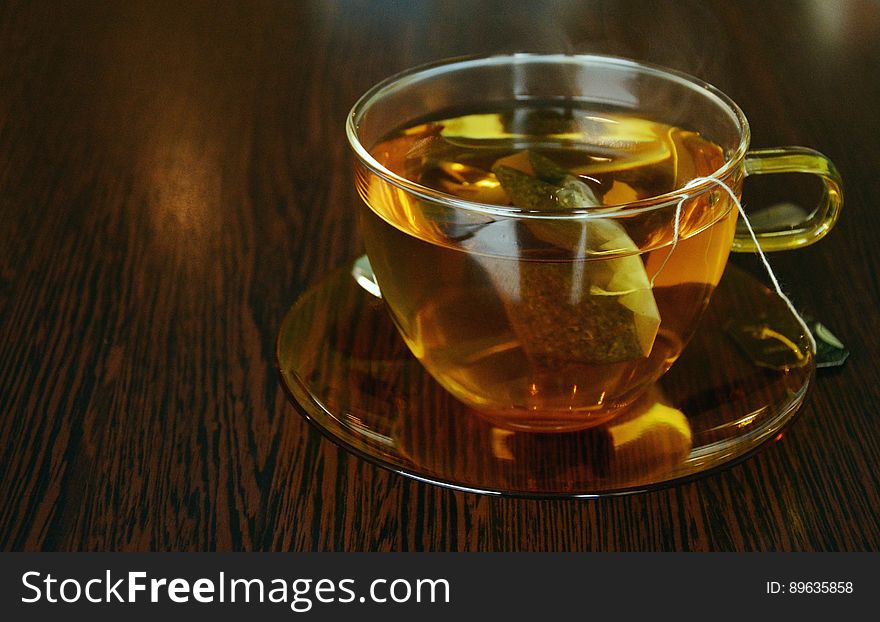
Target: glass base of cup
[350,375]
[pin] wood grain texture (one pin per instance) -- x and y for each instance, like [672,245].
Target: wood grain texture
[173,174]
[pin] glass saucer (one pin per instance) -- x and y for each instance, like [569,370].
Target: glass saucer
[352,376]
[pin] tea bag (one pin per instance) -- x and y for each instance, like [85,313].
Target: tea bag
[595,311]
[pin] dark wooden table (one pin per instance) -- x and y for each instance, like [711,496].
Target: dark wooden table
[174,174]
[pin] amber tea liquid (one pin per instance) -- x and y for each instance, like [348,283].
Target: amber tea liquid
[544,324]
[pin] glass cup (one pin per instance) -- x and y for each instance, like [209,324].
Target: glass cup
[557,318]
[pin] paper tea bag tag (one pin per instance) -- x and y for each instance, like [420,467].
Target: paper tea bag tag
[597,310]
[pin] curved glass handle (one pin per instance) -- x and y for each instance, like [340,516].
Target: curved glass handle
[820,222]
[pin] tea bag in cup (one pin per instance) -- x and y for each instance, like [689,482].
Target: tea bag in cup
[582,311]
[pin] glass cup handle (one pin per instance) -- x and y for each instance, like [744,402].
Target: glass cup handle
[820,222]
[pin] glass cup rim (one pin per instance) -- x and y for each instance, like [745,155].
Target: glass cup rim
[622,210]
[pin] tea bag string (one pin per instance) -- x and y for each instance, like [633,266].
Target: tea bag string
[776,286]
